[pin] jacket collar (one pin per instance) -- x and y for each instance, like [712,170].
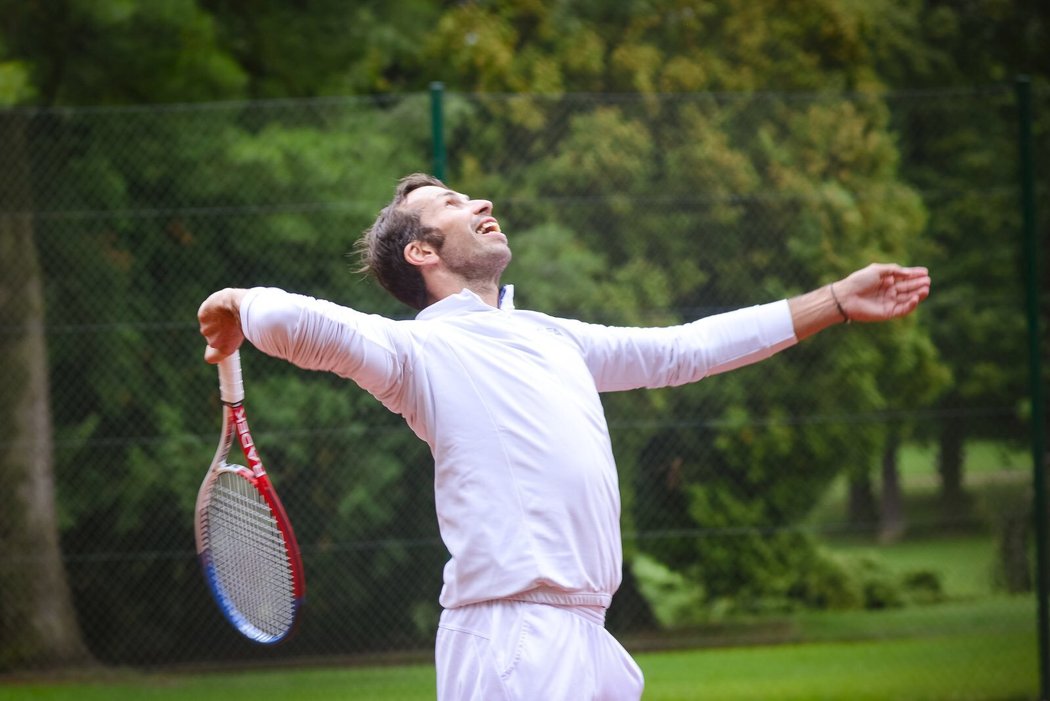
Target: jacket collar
[466,301]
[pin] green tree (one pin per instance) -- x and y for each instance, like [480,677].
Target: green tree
[961,153]
[38,626]
[325,47]
[170,204]
[69,53]
[74,52]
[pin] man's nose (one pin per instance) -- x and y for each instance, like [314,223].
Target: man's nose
[482,207]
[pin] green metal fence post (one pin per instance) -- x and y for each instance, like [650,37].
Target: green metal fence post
[1031,258]
[437,127]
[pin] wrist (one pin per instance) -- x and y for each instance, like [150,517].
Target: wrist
[838,304]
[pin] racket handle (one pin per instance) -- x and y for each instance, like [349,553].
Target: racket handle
[231,385]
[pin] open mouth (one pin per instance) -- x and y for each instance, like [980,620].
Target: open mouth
[489,226]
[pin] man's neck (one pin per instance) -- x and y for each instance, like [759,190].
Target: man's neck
[488,292]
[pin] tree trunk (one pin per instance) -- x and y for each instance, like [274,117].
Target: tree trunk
[38,625]
[891,501]
[863,515]
[950,466]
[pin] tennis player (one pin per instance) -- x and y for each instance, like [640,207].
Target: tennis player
[508,400]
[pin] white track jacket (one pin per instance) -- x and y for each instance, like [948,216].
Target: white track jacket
[526,489]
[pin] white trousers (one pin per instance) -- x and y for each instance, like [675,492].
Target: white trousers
[523,651]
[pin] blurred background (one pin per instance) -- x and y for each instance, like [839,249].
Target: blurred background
[652,163]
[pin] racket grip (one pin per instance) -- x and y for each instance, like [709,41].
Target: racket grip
[231,385]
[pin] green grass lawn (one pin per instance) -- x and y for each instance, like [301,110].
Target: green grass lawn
[976,666]
[981,650]
[918,462]
[980,668]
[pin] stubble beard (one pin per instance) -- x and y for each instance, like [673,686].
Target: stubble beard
[481,267]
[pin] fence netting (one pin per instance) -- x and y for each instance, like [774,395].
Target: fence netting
[748,496]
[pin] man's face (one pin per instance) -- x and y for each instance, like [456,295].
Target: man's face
[474,246]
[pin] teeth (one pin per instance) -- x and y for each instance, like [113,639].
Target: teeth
[488,227]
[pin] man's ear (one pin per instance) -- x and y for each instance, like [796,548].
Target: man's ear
[420,253]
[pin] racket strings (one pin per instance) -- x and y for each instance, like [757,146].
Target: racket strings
[249,555]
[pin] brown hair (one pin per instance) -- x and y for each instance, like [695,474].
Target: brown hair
[382,246]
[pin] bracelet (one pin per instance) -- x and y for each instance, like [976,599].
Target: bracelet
[838,304]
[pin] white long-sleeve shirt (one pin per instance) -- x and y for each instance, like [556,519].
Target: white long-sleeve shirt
[526,489]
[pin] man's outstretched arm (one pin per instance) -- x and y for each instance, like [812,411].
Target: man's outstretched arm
[879,292]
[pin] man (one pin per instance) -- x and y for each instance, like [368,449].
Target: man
[525,484]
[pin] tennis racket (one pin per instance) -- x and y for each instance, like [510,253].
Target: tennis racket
[245,542]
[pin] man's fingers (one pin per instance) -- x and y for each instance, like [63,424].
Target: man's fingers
[911,285]
[911,272]
[911,290]
[904,281]
[213,355]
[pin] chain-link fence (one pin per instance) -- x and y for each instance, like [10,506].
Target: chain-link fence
[869,468]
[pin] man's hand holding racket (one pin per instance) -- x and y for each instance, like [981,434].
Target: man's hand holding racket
[220,324]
